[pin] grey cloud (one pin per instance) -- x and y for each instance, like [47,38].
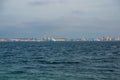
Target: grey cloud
[78,13]
[68,19]
[45,2]
[39,3]
[1,4]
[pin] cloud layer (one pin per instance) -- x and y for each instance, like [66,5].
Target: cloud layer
[59,18]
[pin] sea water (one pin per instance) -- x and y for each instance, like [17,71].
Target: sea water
[59,60]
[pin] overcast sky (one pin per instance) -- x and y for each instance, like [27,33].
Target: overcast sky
[59,18]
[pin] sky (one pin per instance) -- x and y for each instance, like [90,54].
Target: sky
[59,18]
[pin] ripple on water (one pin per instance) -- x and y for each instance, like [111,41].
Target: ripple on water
[60,61]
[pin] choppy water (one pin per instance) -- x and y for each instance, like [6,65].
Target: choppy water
[60,61]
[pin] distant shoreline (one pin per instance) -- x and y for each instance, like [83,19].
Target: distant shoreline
[51,39]
[54,41]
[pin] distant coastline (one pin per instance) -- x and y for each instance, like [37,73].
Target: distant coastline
[56,39]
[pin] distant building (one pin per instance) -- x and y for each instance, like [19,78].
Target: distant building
[105,39]
[109,39]
[117,39]
[3,40]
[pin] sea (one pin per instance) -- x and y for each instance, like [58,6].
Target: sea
[60,60]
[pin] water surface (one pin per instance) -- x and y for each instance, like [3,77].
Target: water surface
[60,61]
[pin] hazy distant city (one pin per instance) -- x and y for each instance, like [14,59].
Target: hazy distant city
[57,39]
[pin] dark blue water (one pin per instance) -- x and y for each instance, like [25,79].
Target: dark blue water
[60,61]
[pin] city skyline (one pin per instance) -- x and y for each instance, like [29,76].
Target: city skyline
[54,39]
[59,18]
